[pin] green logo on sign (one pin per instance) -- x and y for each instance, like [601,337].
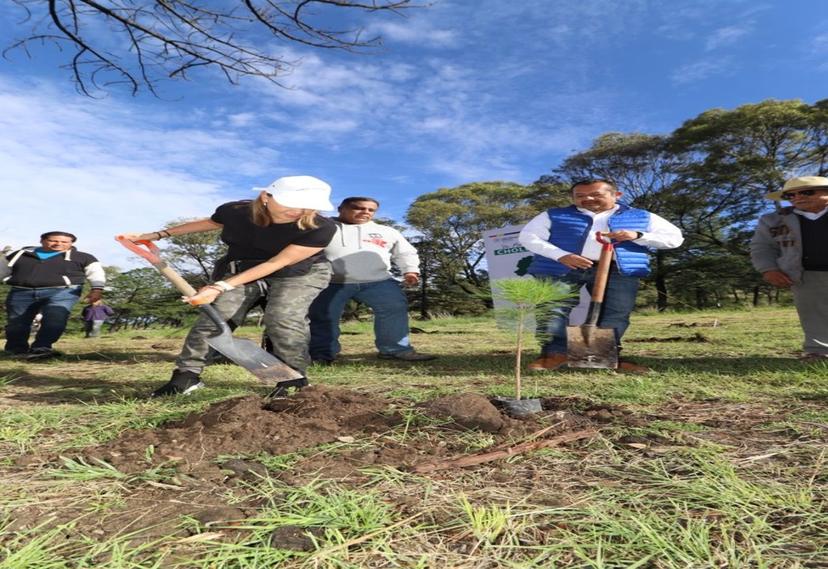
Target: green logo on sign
[510,250]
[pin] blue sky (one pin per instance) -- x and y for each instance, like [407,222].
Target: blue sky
[462,91]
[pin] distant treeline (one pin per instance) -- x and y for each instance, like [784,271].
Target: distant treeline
[709,177]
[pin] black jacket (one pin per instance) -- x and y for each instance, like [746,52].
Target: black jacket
[70,268]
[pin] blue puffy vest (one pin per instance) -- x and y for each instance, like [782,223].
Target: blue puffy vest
[570,229]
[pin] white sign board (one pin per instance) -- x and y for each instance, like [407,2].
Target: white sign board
[507,258]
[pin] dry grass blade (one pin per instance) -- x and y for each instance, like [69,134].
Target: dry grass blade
[481,458]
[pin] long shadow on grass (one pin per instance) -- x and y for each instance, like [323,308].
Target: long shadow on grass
[443,365]
[736,365]
[54,389]
[131,356]
[141,356]
[504,362]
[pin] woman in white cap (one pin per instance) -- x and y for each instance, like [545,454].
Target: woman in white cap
[275,244]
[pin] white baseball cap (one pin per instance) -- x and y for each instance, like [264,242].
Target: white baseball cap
[303,192]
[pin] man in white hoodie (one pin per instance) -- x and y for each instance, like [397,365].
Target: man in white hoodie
[361,254]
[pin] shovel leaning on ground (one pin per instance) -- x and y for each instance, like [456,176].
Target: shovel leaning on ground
[588,346]
[264,365]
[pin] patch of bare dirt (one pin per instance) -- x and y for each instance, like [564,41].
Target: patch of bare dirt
[244,426]
[209,452]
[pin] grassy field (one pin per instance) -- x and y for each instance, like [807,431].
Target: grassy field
[714,459]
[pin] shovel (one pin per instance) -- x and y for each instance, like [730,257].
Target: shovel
[588,346]
[264,365]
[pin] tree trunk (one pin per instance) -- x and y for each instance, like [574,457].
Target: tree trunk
[756,296]
[699,297]
[661,283]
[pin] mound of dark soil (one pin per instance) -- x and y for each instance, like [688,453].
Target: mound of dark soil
[245,425]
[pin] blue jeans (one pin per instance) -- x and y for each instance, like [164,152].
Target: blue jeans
[23,304]
[385,298]
[619,302]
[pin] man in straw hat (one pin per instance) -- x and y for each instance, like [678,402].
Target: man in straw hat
[789,249]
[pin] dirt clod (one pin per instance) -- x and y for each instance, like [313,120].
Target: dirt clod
[295,538]
[218,516]
[245,469]
[467,411]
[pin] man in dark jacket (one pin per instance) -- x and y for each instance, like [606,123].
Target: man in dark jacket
[46,279]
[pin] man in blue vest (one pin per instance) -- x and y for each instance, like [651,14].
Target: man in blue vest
[565,248]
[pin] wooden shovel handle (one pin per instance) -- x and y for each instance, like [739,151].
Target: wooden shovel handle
[149,251]
[602,273]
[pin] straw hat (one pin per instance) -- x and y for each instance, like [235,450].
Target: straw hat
[800,183]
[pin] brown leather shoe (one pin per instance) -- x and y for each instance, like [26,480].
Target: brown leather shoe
[550,362]
[629,367]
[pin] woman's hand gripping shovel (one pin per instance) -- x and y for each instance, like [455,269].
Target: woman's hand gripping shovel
[588,346]
[264,365]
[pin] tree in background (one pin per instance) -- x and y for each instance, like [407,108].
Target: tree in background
[194,254]
[817,132]
[733,158]
[138,42]
[452,222]
[709,177]
[645,171]
[142,297]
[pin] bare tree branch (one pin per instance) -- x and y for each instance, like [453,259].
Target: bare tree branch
[169,38]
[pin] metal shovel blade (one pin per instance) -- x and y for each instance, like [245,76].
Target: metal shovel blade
[245,353]
[588,346]
[250,356]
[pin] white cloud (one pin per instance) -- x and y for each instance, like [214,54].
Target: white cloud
[98,168]
[818,45]
[700,70]
[726,36]
[415,31]
[241,119]
[457,121]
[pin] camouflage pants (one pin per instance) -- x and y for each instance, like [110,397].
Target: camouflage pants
[285,317]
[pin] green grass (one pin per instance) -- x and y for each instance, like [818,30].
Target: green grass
[725,465]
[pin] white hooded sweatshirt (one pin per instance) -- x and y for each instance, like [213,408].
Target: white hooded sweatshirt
[364,252]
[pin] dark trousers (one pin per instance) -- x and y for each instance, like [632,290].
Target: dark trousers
[23,304]
[619,302]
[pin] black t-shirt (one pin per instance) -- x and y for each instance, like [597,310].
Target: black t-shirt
[247,241]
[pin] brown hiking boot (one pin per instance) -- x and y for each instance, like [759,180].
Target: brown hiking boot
[546,363]
[629,367]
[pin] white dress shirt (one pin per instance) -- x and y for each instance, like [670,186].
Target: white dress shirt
[810,214]
[661,234]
